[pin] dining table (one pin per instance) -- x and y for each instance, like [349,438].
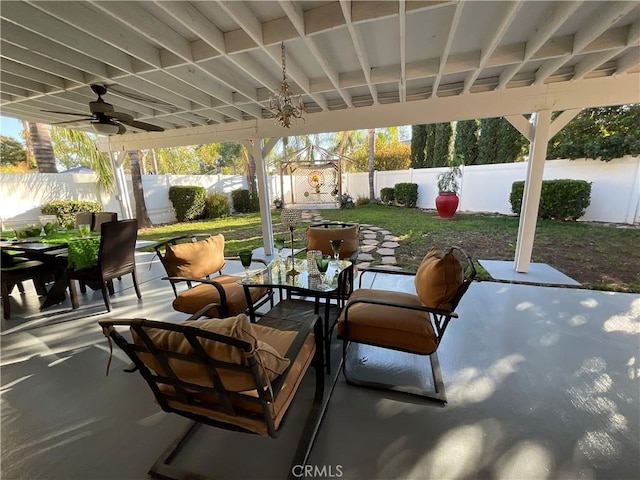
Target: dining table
[59,251]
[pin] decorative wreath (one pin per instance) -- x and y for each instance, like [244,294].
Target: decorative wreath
[315,178]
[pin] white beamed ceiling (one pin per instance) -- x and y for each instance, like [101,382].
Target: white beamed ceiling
[204,70]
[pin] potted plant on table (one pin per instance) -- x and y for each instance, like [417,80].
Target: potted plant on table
[447,200]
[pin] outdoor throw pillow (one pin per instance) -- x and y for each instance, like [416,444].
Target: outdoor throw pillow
[195,259]
[319,238]
[238,327]
[438,278]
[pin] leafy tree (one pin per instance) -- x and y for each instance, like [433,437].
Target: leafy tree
[418,144]
[230,157]
[466,141]
[604,132]
[12,152]
[388,156]
[488,140]
[512,145]
[429,159]
[441,145]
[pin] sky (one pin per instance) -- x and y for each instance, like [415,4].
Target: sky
[10,127]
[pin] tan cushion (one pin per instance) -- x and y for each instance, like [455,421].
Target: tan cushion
[388,326]
[272,363]
[319,238]
[438,279]
[195,259]
[292,380]
[193,299]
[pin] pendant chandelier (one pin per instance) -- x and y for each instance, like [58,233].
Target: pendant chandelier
[285,106]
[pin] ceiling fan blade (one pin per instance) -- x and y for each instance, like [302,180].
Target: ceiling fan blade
[121,129]
[78,120]
[66,113]
[123,117]
[143,126]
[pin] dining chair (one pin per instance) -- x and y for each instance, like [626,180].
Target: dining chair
[226,373]
[101,217]
[194,264]
[409,322]
[84,218]
[116,258]
[14,272]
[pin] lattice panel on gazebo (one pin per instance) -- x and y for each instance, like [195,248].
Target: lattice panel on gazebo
[315,184]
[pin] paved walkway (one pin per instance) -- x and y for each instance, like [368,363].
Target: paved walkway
[377,246]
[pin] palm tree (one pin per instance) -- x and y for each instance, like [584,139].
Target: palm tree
[138,192]
[75,147]
[39,142]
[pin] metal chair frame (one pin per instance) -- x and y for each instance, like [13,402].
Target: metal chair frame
[440,322]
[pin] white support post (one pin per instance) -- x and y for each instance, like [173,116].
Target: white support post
[263,192]
[532,189]
[122,192]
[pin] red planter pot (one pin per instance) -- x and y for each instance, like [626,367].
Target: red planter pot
[447,204]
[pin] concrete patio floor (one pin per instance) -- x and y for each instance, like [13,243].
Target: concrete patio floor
[542,383]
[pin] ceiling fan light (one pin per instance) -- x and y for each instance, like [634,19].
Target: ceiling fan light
[105,128]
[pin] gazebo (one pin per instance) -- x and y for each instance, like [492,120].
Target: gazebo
[205,71]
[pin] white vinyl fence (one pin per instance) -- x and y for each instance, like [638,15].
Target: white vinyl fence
[615,191]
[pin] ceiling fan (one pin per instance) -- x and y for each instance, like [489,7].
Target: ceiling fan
[104,119]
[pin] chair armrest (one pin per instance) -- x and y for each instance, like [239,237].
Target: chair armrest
[258,260]
[202,311]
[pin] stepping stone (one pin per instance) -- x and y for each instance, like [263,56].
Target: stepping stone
[367,248]
[370,242]
[390,245]
[364,225]
[388,260]
[370,235]
[365,256]
[375,228]
[367,232]
[386,251]
[363,265]
[385,232]
[390,267]
[391,238]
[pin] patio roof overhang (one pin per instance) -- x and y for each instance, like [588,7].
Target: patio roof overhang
[204,70]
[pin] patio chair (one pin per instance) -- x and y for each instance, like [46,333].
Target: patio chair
[116,257]
[194,265]
[319,237]
[225,373]
[14,272]
[84,218]
[413,323]
[101,217]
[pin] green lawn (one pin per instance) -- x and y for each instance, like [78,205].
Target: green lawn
[598,256]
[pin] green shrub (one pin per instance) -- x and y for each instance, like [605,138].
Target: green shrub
[65,210]
[406,194]
[216,205]
[559,199]
[242,201]
[363,200]
[255,202]
[388,195]
[188,201]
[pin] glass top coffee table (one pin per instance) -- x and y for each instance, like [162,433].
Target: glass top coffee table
[304,284]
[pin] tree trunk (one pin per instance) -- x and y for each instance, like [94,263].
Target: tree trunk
[138,192]
[372,153]
[40,145]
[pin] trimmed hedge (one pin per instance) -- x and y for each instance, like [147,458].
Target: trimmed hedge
[559,199]
[242,201]
[188,201]
[217,205]
[406,194]
[65,210]
[388,195]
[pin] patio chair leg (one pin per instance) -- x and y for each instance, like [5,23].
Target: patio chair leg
[105,296]
[73,294]
[135,284]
